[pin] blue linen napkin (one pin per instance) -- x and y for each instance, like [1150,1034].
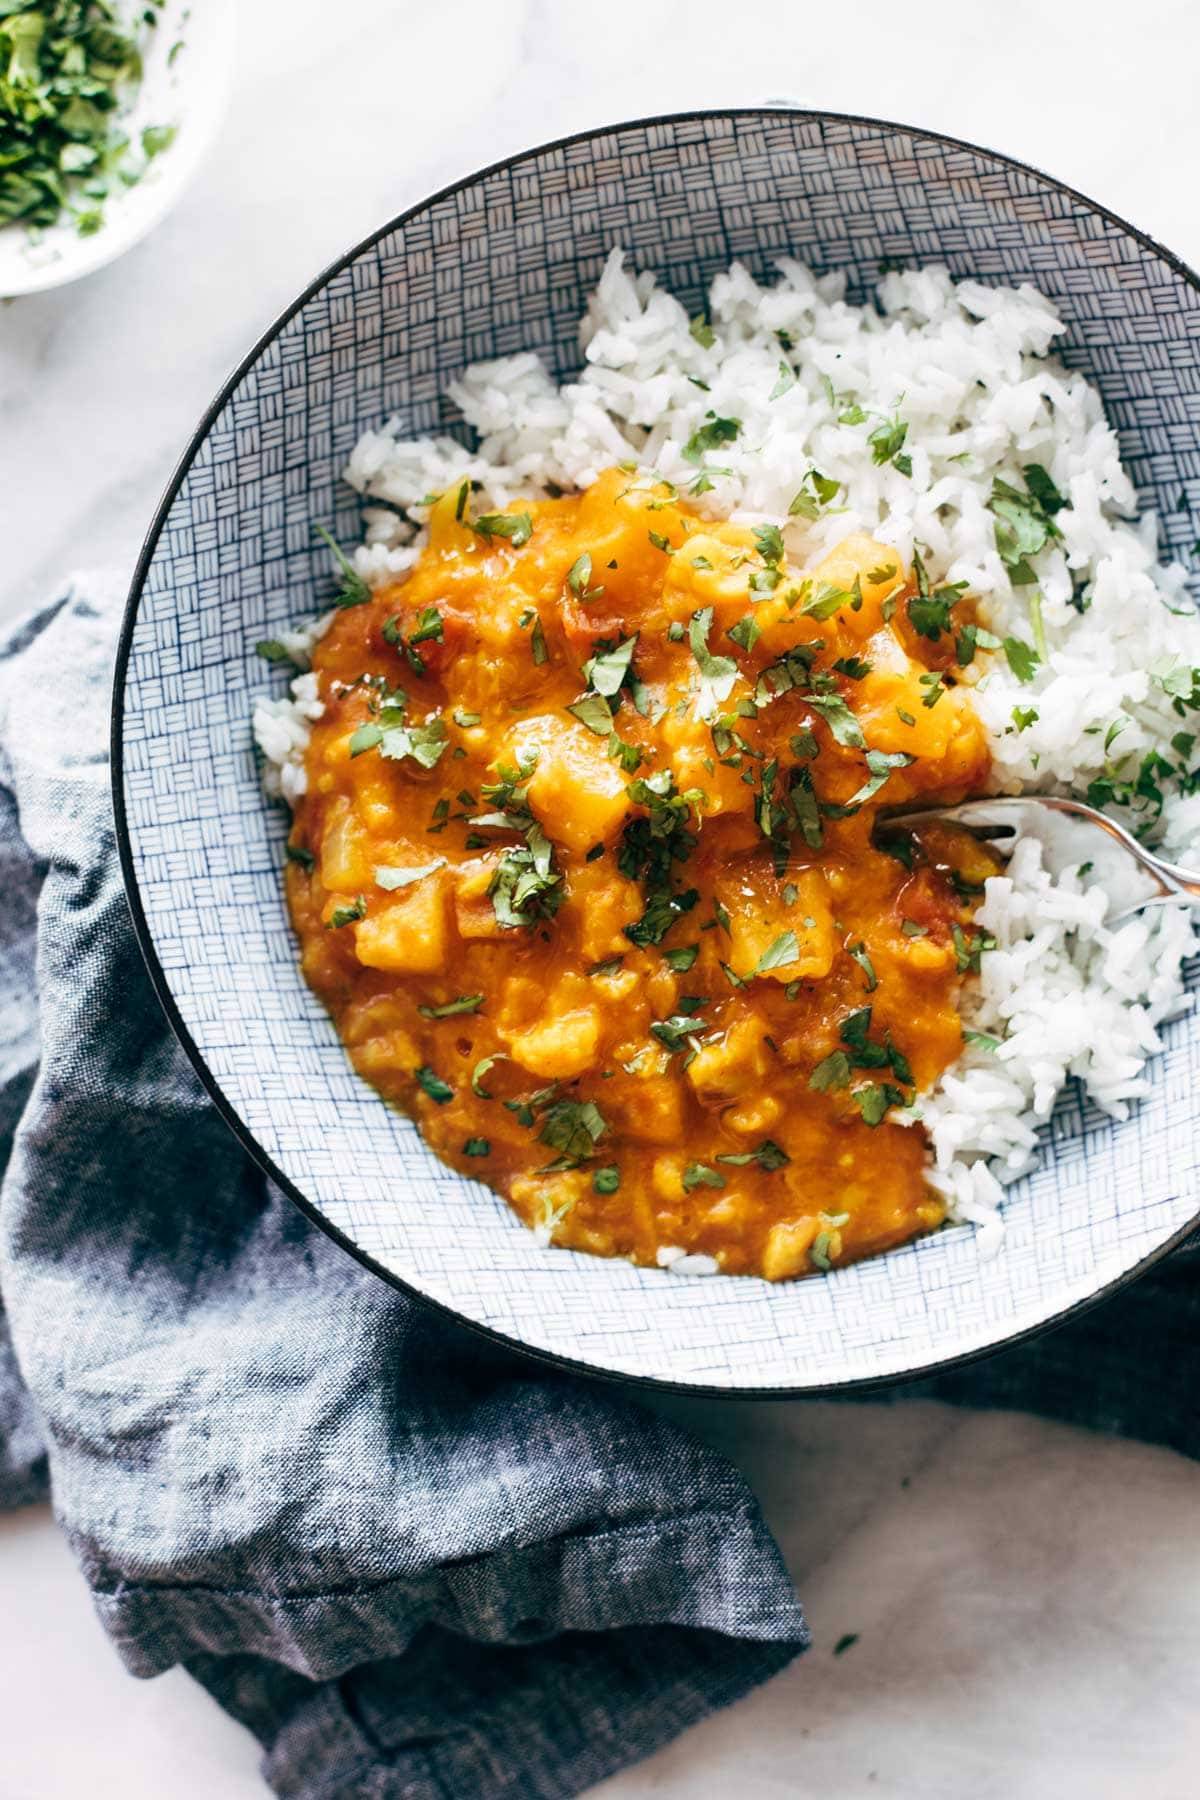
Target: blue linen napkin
[413,1566]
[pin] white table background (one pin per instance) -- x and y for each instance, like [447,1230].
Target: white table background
[1027,1597]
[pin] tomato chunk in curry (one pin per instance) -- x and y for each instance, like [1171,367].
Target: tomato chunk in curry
[588,873]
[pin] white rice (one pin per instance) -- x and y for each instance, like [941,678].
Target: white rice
[968,369]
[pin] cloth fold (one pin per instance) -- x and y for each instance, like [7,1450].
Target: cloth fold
[412,1565]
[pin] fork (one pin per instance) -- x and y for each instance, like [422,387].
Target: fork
[995,818]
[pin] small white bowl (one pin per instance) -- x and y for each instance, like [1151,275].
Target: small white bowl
[189,91]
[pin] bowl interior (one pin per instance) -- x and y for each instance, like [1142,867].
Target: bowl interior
[503,263]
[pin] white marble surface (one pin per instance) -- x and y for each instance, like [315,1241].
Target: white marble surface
[1027,1598]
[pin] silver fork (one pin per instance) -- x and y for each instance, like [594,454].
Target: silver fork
[996,818]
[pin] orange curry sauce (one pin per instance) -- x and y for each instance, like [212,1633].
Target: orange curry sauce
[648,976]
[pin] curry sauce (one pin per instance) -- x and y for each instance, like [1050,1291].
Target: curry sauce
[589,873]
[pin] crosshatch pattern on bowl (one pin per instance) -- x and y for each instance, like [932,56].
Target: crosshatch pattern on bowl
[503,263]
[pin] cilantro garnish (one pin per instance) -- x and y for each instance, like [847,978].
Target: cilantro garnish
[700,1175]
[593,711]
[606,671]
[768,1155]
[887,444]
[785,380]
[841,721]
[433,1085]
[717,673]
[880,764]
[815,492]
[710,436]
[784,950]
[1023,659]
[579,577]
[703,332]
[466,1003]
[875,1098]
[298,854]
[347,914]
[607,1179]
[859,954]
[392,878]
[827,600]
[573,1128]
[1024,522]
[353,590]
[649,848]
[272,651]
[681,960]
[746,632]
[516,527]
[66,69]
[480,1070]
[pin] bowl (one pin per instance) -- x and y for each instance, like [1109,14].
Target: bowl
[497,263]
[189,63]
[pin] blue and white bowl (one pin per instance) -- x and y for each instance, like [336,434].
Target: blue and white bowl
[498,263]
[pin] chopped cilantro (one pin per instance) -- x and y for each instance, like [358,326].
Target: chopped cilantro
[433,1085]
[874,1099]
[703,332]
[1023,659]
[480,1070]
[746,632]
[353,590]
[593,711]
[700,1175]
[710,436]
[477,1147]
[392,878]
[606,1180]
[681,960]
[579,577]
[272,651]
[347,914]
[606,671]
[887,445]
[784,950]
[717,673]
[466,1003]
[786,379]
[516,527]
[572,1127]
[861,956]
[298,854]
[1024,523]
[815,492]
[841,721]
[768,1155]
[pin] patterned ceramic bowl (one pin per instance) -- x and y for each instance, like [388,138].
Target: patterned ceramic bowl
[498,263]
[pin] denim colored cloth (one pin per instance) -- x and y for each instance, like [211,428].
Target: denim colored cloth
[412,1566]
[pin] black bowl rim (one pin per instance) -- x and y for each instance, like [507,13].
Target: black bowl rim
[552,1358]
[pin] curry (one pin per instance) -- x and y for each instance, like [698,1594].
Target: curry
[591,873]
